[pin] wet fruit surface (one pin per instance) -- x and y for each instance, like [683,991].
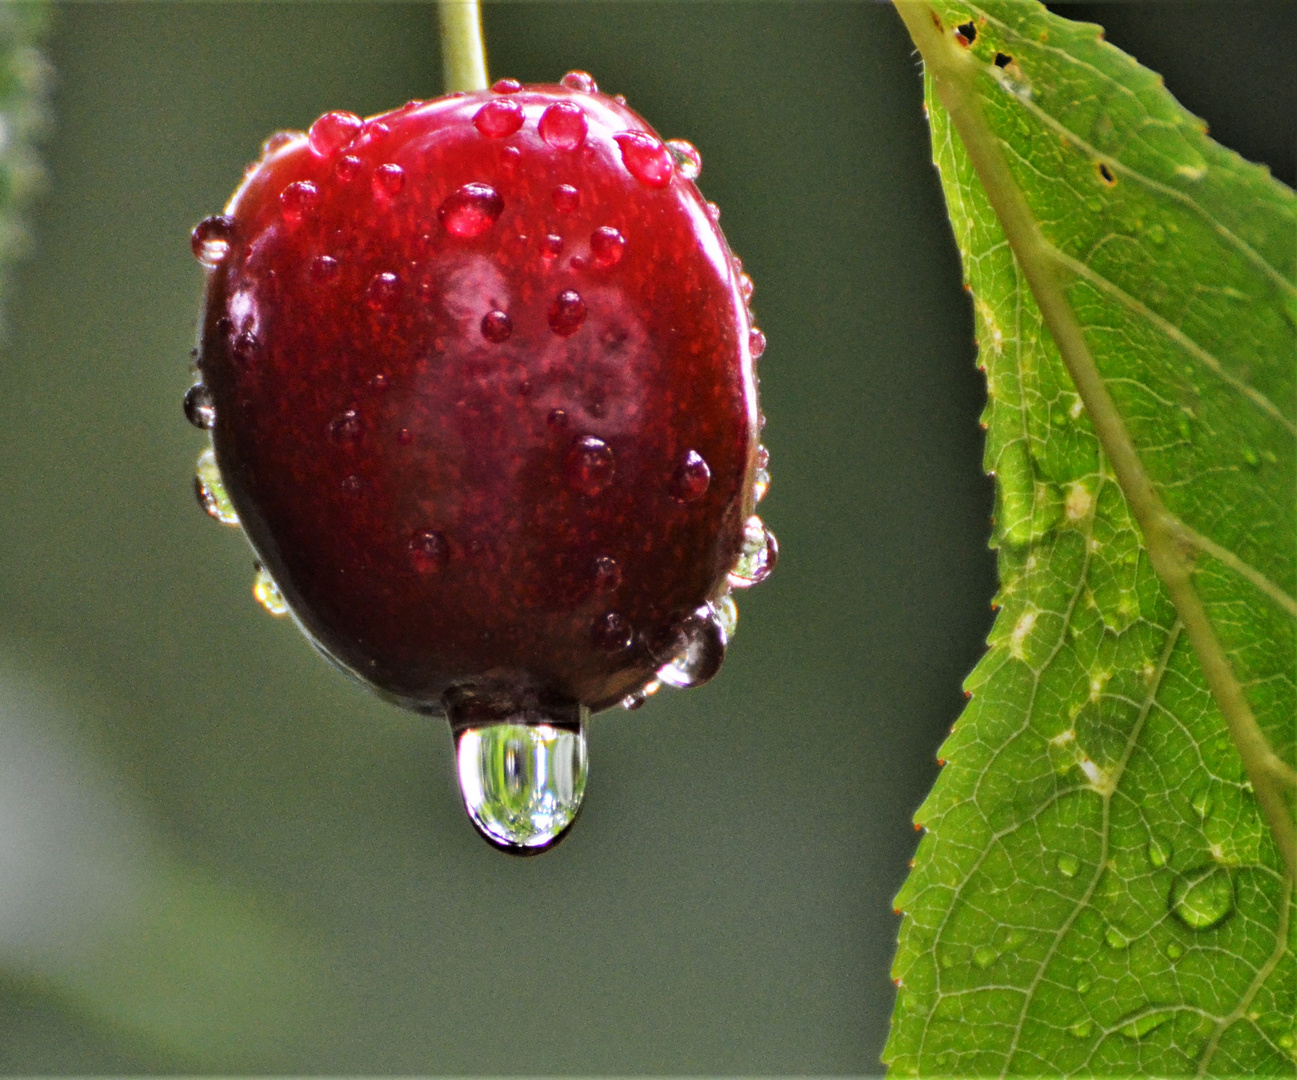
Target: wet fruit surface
[479,377]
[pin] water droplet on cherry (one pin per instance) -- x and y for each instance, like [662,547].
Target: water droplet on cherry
[499,118]
[324,269]
[211,239]
[580,81]
[506,86]
[688,162]
[697,650]
[590,465]
[470,211]
[565,198]
[346,427]
[384,291]
[551,247]
[428,551]
[756,343]
[210,489]
[567,313]
[496,326]
[612,633]
[298,201]
[607,574]
[347,168]
[757,557]
[388,181]
[645,158]
[200,410]
[607,246]
[691,479]
[267,593]
[333,131]
[563,125]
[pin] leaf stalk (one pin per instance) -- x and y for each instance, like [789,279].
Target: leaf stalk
[463,50]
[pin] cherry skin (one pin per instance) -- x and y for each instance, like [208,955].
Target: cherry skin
[481,390]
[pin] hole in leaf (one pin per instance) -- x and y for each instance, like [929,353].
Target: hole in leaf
[1106,174]
[1003,60]
[966,33]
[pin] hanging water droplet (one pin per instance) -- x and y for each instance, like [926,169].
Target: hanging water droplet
[499,118]
[591,465]
[211,239]
[470,211]
[727,610]
[696,650]
[757,557]
[691,479]
[200,410]
[984,956]
[634,701]
[645,158]
[563,125]
[389,180]
[522,782]
[428,551]
[567,313]
[1159,852]
[332,131]
[1068,864]
[1081,1029]
[580,81]
[1202,898]
[688,162]
[607,246]
[565,198]
[210,489]
[267,592]
[497,326]
[756,343]
[298,201]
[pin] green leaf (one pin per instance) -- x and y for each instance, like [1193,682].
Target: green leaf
[1102,886]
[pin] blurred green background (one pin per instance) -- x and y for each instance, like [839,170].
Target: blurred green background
[217,854]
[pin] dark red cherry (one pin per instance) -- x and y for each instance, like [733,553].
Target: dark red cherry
[480,372]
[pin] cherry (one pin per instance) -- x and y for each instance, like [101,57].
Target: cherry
[479,379]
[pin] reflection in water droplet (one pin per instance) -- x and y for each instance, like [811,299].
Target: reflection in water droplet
[984,956]
[567,313]
[728,613]
[470,211]
[757,557]
[388,181]
[1081,1029]
[1115,939]
[563,125]
[1068,864]
[211,239]
[210,489]
[522,783]
[428,551]
[499,118]
[497,326]
[645,158]
[580,81]
[688,162]
[607,246]
[298,201]
[200,410]
[1159,852]
[332,131]
[1143,1022]
[565,198]
[267,592]
[1202,898]
[612,633]
[696,650]
[691,479]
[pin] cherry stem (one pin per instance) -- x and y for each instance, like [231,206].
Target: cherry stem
[463,50]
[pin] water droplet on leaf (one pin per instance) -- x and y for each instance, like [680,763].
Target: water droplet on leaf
[984,956]
[1068,864]
[1159,852]
[1202,898]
